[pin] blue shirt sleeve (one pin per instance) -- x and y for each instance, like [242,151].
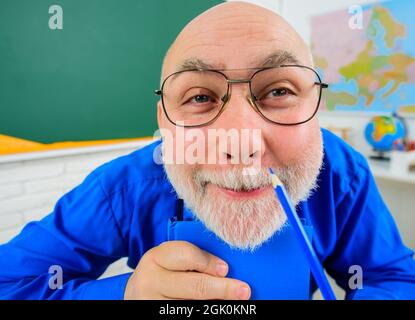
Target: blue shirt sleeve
[66,238]
[367,237]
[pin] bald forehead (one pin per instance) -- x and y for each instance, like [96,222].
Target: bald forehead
[236,35]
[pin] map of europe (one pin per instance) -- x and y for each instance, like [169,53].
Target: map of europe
[371,68]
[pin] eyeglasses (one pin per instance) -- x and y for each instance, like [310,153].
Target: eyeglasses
[284,95]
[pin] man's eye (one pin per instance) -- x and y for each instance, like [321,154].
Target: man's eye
[279,92]
[201,98]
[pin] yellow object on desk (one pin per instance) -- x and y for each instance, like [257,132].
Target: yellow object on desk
[13,145]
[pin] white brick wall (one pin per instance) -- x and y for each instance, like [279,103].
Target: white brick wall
[30,184]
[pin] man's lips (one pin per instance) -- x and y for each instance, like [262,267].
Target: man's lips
[241,193]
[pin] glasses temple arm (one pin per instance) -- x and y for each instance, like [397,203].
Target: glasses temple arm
[322,84]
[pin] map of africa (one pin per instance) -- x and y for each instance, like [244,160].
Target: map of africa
[370,68]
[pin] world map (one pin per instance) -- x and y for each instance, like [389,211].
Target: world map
[371,68]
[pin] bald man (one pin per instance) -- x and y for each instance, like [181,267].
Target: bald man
[237,72]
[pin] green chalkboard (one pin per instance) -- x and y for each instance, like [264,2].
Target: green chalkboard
[94,79]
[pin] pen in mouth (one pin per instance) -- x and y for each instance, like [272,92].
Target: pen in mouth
[304,241]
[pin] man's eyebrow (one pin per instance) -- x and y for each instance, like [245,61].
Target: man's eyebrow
[196,63]
[280,57]
[277,58]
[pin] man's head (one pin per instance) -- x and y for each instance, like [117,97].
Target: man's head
[238,205]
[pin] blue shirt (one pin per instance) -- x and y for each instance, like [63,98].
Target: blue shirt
[122,208]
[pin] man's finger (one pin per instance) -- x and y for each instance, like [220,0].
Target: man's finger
[184,256]
[201,286]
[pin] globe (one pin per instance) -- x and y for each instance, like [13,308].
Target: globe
[382,131]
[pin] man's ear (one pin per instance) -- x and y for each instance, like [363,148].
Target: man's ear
[160,115]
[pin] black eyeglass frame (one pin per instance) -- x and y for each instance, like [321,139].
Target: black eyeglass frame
[252,99]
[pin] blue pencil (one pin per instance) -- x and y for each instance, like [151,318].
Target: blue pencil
[305,243]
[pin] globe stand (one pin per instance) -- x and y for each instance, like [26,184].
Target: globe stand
[380,155]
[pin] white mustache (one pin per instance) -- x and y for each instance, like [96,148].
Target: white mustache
[234,179]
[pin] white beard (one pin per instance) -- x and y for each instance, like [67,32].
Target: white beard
[246,223]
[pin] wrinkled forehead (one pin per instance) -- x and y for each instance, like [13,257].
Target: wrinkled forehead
[246,70]
[236,36]
[240,56]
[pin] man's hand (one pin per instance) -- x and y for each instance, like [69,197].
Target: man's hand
[180,270]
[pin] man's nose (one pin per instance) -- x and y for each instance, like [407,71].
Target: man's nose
[248,152]
[241,118]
